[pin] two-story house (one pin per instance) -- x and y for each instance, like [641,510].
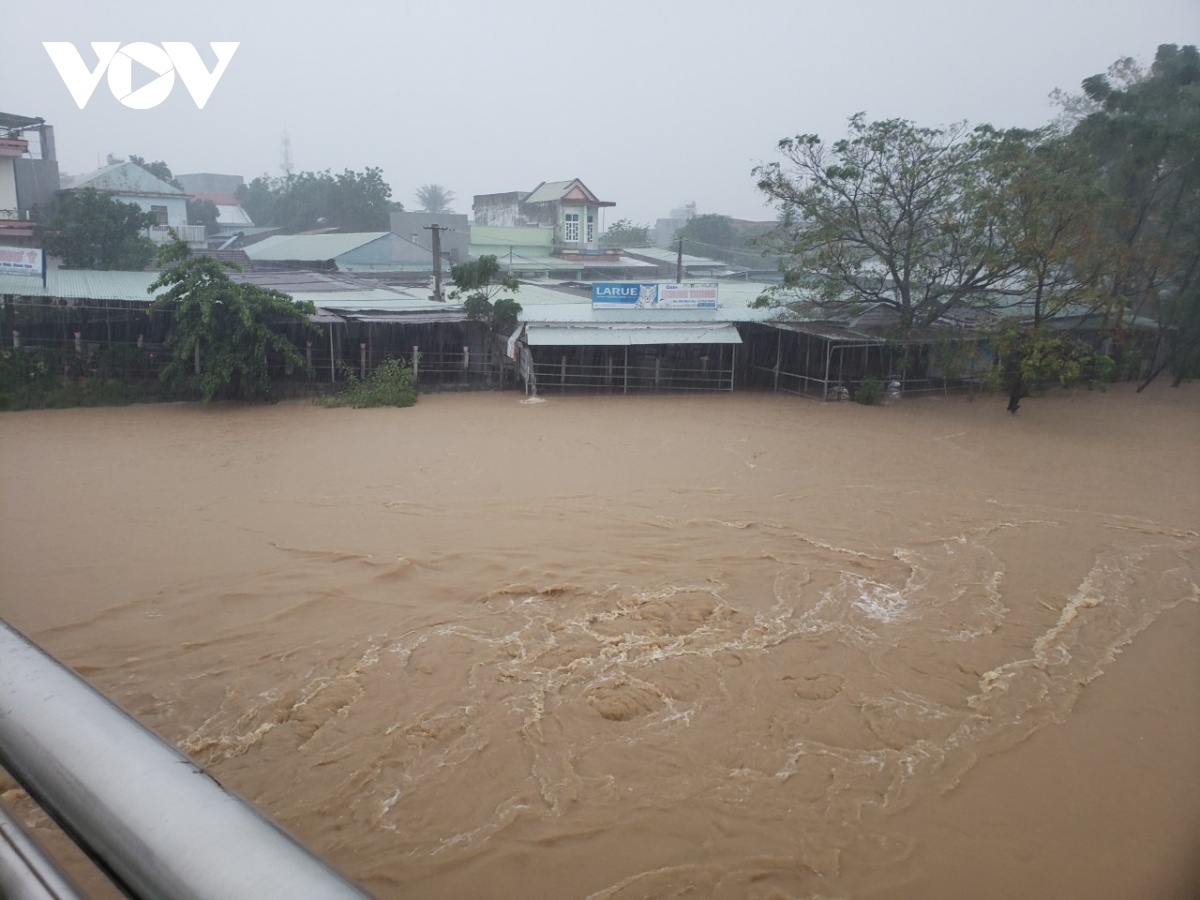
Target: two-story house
[567,207]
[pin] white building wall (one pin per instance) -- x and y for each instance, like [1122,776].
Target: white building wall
[8,189]
[176,206]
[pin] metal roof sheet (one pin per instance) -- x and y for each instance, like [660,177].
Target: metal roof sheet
[583,314]
[379,300]
[285,247]
[671,256]
[629,335]
[123,178]
[82,284]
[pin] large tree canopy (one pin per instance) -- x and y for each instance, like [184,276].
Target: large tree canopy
[352,201]
[1143,142]
[91,230]
[892,214]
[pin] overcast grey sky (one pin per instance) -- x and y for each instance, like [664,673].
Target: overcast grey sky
[651,102]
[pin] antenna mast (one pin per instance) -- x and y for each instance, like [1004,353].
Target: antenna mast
[285,154]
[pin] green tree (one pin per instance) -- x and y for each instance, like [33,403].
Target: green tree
[158,169]
[434,198]
[708,235]
[235,325]
[203,212]
[481,283]
[1029,359]
[1143,141]
[624,233]
[258,199]
[1047,204]
[894,214]
[352,201]
[91,230]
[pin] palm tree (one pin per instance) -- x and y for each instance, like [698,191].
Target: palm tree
[434,198]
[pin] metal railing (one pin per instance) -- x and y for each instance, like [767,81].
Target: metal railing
[158,825]
[193,234]
[639,375]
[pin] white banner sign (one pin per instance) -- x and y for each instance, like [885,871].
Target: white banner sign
[687,296]
[636,295]
[20,261]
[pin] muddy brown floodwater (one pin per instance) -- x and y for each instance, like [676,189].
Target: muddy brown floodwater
[736,646]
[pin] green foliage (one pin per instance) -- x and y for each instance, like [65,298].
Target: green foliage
[158,169]
[1030,360]
[392,384]
[93,231]
[52,378]
[235,325]
[624,233]
[870,392]
[352,201]
[1142,137]
[716,237]
[480,280]
[434,198]
[203,212]
[1047,201]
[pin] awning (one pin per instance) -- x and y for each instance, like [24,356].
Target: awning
[629,335]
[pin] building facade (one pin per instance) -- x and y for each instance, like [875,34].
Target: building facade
[568,208]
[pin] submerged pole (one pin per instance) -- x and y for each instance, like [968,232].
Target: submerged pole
[154,821]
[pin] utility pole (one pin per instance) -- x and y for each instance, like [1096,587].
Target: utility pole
[679,264]
[437,261]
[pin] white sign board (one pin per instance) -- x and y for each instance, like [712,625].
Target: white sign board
[637,295]
[21,261]
[687,296]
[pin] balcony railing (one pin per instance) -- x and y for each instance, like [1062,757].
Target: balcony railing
[192,234]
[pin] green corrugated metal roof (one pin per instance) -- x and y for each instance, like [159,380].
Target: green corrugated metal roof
[628,335]
[82,284]
[303,247]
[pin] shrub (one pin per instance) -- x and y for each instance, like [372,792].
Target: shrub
[870,392]
[392,384]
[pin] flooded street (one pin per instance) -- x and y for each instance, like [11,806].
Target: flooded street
[733,646]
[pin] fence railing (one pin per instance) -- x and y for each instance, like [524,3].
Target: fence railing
[615,375]
[150,818]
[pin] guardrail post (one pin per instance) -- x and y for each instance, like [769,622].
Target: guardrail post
[416,361]
[16,340]
[362,361]
[466,358]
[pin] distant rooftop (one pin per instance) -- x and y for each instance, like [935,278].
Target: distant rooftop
[121,178]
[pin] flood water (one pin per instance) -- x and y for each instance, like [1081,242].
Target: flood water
[735,646]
